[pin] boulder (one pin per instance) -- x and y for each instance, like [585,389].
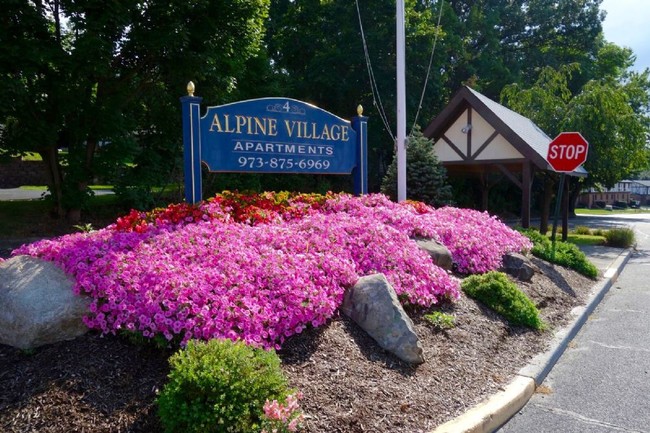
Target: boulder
[38,304]
[519,266]
[372,303]
[438,252]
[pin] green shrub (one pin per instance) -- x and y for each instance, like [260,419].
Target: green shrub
[582,230]
[598,232]
[496,291]
[440,320]
[622,237]
[535,236]
[158,342]
[566,254]
[220,386]
[425,175]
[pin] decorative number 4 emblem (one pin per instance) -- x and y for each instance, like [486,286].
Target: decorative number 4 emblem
[286,106]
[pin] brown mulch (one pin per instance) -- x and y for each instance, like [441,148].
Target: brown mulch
[106,384]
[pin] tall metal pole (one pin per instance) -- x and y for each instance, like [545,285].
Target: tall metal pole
[401,103]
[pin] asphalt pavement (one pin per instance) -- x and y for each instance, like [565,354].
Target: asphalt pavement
[601,383]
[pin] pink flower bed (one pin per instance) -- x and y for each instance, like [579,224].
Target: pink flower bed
[476,240]
[194,272]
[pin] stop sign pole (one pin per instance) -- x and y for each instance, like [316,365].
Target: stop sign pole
[566,152]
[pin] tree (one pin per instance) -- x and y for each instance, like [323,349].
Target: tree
[489,48]
[561,32]
[611,113]
[318,47]
[425,176]
[617,135]
[504,41]
[87,75]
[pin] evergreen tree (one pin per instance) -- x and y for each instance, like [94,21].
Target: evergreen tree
[426,178]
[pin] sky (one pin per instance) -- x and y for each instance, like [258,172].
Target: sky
[627,25]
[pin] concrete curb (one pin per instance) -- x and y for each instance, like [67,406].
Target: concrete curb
[492,413]
[539,367]
[488,415]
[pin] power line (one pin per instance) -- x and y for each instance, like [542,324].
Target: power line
[426,80]
[376,98]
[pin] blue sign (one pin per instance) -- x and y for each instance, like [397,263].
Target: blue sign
[271,135]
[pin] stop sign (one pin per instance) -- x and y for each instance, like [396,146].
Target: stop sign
[567,151]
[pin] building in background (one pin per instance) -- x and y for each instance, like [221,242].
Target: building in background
[625,193]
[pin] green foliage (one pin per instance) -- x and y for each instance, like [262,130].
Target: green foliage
[561,32]
[570,256]
[622,237]
[535,237]
[566,254]
[214,183]
[598,232]
[441,320]
[545,101]
[84,228]
[158,342]
[611,112]
[220,386]
[582,230]
[617,134]
[28,352]
[103,83]
[496,291]
[426,178]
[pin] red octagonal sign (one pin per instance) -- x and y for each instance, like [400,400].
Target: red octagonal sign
[567,151]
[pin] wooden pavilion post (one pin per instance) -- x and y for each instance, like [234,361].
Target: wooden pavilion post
[526,185]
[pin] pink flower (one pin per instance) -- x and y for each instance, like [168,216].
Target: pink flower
[283,417]
[209,276]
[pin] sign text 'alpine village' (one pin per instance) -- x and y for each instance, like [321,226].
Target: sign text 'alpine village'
[271,135]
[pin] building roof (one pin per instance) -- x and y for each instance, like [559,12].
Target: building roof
[640,182]
[521,132]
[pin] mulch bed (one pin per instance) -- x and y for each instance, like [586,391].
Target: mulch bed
[106,384]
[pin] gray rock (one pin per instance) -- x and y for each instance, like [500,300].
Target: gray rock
[372,303]
[519,266]
[38,305]
[438,252]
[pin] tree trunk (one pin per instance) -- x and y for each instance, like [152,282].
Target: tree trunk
[55,178]
[73,214]
[574,194]
[547,197]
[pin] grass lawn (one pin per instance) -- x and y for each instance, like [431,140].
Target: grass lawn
[43,187]
[32,218]
[584,239]
[579,239]
[16,215]
[32,157]
[611,212]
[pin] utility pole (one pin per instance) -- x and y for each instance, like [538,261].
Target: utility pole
[401,102]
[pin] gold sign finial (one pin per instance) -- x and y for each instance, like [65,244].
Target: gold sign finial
[360,110]
[190,88]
